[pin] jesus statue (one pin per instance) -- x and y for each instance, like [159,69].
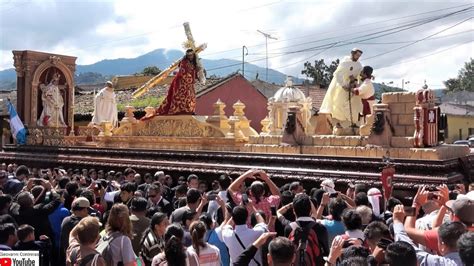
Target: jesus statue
[181,98]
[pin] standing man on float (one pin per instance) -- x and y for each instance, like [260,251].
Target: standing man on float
[344,108]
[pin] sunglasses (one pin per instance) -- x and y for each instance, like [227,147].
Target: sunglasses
[152,196]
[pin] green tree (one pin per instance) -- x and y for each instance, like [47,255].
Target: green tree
[320,73]
[465,79]
[151,71]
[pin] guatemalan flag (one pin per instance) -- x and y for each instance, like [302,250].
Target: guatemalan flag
[16,126]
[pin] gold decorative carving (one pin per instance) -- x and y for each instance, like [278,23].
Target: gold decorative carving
[87,131]
[129,115]
[243,123]
[54,59]
[219,119]
[265,123]
[106,129]
[176,126]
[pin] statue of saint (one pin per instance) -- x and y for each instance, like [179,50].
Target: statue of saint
[105,106]
[340,101]
[53,102]
[181,98]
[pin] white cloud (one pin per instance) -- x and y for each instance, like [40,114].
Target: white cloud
[96,30]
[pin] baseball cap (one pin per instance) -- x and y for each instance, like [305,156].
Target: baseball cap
[328,185]
[463,209]
[80,202]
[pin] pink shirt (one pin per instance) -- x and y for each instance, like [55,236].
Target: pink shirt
[264,205]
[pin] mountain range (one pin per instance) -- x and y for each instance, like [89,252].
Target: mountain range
[162,59]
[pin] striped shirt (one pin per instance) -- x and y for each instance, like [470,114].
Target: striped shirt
[152,246]
[208,256]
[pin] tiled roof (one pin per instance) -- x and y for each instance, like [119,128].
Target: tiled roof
[457,109]
[267,89]
[211,83]
[316,94]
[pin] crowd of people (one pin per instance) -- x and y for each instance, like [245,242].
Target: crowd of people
[88,217]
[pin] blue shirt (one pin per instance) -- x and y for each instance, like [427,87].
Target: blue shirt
[55,219]
[334,228]
[213,239]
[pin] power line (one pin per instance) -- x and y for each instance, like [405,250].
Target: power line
[401,42]
[348,41]
[358,26]
[417,41]
[428,55]
[411,24]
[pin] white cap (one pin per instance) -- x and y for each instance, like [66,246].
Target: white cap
[328,185]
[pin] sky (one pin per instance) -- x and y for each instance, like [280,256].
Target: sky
[407,40]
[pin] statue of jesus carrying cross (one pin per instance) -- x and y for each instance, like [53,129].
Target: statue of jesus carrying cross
[181,98]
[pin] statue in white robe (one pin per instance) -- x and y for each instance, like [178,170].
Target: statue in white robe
[336,101]
[105,106]
[53,103]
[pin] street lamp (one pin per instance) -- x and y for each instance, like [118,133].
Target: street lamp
[244,48]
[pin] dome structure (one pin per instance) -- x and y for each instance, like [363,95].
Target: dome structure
[289,93]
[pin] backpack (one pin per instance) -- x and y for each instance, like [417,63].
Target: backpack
[305,239]
[104,247]
[84,261]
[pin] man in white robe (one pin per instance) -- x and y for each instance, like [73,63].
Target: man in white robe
[105,106]
[336,101]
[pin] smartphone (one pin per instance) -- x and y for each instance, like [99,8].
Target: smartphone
[212,196]
[245,199]
[274,210]
[409,211]
[432,196]
[333,195]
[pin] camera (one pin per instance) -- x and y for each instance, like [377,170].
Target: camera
[274,210]
[211,196]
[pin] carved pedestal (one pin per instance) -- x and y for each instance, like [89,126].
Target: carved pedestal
[381,128]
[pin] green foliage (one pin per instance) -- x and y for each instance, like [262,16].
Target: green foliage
[151,71]
[141,103]
[465,79]
[320,73]
[382,88]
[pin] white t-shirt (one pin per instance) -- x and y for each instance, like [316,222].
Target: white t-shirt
[122,250]
[208,256]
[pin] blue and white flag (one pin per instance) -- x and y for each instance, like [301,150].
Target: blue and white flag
[16,126]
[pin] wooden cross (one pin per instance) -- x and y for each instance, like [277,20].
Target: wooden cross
[156,80]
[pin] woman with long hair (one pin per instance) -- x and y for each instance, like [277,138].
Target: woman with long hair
[175,253]
[119,232]
[153,242]
[207,254]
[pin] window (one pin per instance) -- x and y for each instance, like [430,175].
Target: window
[460,133]
[471,132]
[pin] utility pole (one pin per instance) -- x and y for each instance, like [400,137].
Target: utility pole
[267,36]
[244,48]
